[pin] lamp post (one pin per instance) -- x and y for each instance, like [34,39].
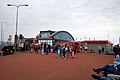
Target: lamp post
[2,23]
[16,36]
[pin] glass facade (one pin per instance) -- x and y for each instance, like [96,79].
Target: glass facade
[45,34]
[63,36]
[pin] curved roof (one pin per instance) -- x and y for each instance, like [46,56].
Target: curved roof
[64,35]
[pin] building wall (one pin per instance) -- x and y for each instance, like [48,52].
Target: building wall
[94,46]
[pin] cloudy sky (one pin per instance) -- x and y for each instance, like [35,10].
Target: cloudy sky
[84,19]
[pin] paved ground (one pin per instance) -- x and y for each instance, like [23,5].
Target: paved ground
[26,66]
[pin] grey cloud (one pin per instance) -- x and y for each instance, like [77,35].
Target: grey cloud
[76,16]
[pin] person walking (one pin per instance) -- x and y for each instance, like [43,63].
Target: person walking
[47,49]
[99,49]
[63,51]
[59,52]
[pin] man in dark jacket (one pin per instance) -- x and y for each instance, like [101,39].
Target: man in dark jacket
[116,50]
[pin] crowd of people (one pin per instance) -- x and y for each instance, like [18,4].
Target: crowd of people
[63,50]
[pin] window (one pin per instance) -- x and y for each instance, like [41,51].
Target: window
[63,36]
[45,34]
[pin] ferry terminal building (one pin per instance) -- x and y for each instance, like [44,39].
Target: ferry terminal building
[53,37]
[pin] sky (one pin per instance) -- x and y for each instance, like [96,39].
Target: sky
[84,19]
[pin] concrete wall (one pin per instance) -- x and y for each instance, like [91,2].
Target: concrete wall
[94,46]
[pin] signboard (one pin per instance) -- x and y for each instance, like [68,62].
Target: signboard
[10,37]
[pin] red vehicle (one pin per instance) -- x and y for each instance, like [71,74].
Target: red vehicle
[76,44]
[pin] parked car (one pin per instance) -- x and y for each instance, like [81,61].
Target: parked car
[6,50]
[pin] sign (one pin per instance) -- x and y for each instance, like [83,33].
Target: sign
[10,37]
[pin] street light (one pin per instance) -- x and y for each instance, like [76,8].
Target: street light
[2,23]
[17,6]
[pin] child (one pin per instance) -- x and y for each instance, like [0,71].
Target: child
[59,52]
[38,51]
[73,54]
[31,51]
